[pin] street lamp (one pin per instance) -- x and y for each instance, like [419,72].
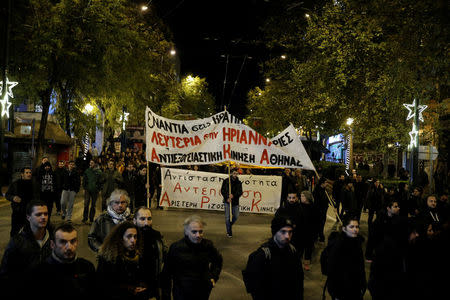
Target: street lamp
[349,156]
[283,56]
[144,7]
[173,52]
[267,79]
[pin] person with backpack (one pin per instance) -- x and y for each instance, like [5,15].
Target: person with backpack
[344,263]
[274,270]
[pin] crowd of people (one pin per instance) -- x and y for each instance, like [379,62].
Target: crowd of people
[407,243]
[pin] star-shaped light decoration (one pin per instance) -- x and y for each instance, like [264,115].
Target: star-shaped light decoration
[125,117]
[9,86]
[413,135]
[410,108]
[5,106]
[5,101]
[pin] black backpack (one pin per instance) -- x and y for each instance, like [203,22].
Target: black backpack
[249,280]
[326,252]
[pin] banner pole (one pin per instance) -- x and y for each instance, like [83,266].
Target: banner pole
[148,188]
[229,190]
[330,200]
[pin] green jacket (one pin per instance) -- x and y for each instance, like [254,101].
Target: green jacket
[92,180]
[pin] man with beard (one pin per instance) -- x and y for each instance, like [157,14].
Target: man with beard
[69,275]
[154,251]
[20,193]
[274,270]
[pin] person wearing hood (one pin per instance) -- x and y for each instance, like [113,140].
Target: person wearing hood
[116,212]
[154,251]
[430,213]
[193,264]
[47,186]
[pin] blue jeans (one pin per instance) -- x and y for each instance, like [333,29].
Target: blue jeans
[235,211]
[67,200]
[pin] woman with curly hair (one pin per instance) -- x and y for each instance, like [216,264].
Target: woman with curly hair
[121,271]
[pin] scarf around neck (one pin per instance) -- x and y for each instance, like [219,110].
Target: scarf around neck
[118,218]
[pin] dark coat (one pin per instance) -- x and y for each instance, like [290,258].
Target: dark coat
[71,181]
[346,273]
[22,255]
[294,212]
[100,229]
[190,267]
[27,190]
[75,280]
[236,190]
[118,278]
[280,277]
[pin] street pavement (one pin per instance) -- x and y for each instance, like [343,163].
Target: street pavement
[249,232]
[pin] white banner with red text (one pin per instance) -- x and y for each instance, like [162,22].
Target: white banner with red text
[219,138]
[201,190]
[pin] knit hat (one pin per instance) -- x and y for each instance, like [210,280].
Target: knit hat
[280,222]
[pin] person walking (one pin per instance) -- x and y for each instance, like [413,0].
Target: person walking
[231,199]
[193,264]
[321,204]
[26,250]
[20,193]
[154,251]
[121,271]
[117,212]
[47,186]
[275,270]
[59,185]
[111,179]
[346,272]
[91,185]
[69,275]
[71,187]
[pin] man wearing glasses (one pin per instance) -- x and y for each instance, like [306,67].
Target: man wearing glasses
[116,212]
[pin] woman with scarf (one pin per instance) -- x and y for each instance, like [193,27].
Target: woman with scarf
[116,212]
[121,271]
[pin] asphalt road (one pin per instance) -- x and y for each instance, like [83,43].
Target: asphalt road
[249,232]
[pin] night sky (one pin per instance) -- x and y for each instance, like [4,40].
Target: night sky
[206,31]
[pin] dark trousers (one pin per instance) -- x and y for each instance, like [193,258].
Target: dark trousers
[193,293]
[18,219]
[58,200]
[322,221]
[49,199]
[90,198]
[370,216]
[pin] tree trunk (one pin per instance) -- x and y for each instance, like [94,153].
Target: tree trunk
[40,143]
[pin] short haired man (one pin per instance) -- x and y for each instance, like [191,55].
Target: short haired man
[193,263]
[231,199]
[26,250]
[71,186]
[275,270]
[91,185]
[68,274]
[116,212]
[154,251]
[20,193]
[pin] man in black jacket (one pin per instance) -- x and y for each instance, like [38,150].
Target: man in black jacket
[231,199]
[275,269]
[20,193]
[71,187]
[193,264]
[154,252]
[26,250]
[69,275]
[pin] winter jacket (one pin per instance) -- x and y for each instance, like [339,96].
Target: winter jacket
[278,277]
[27,190]
[100,229]
[75,280]
[91,180]
[22,255]
[71,180]
[110,181]
[236,190]
[190,267]
[346,270]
